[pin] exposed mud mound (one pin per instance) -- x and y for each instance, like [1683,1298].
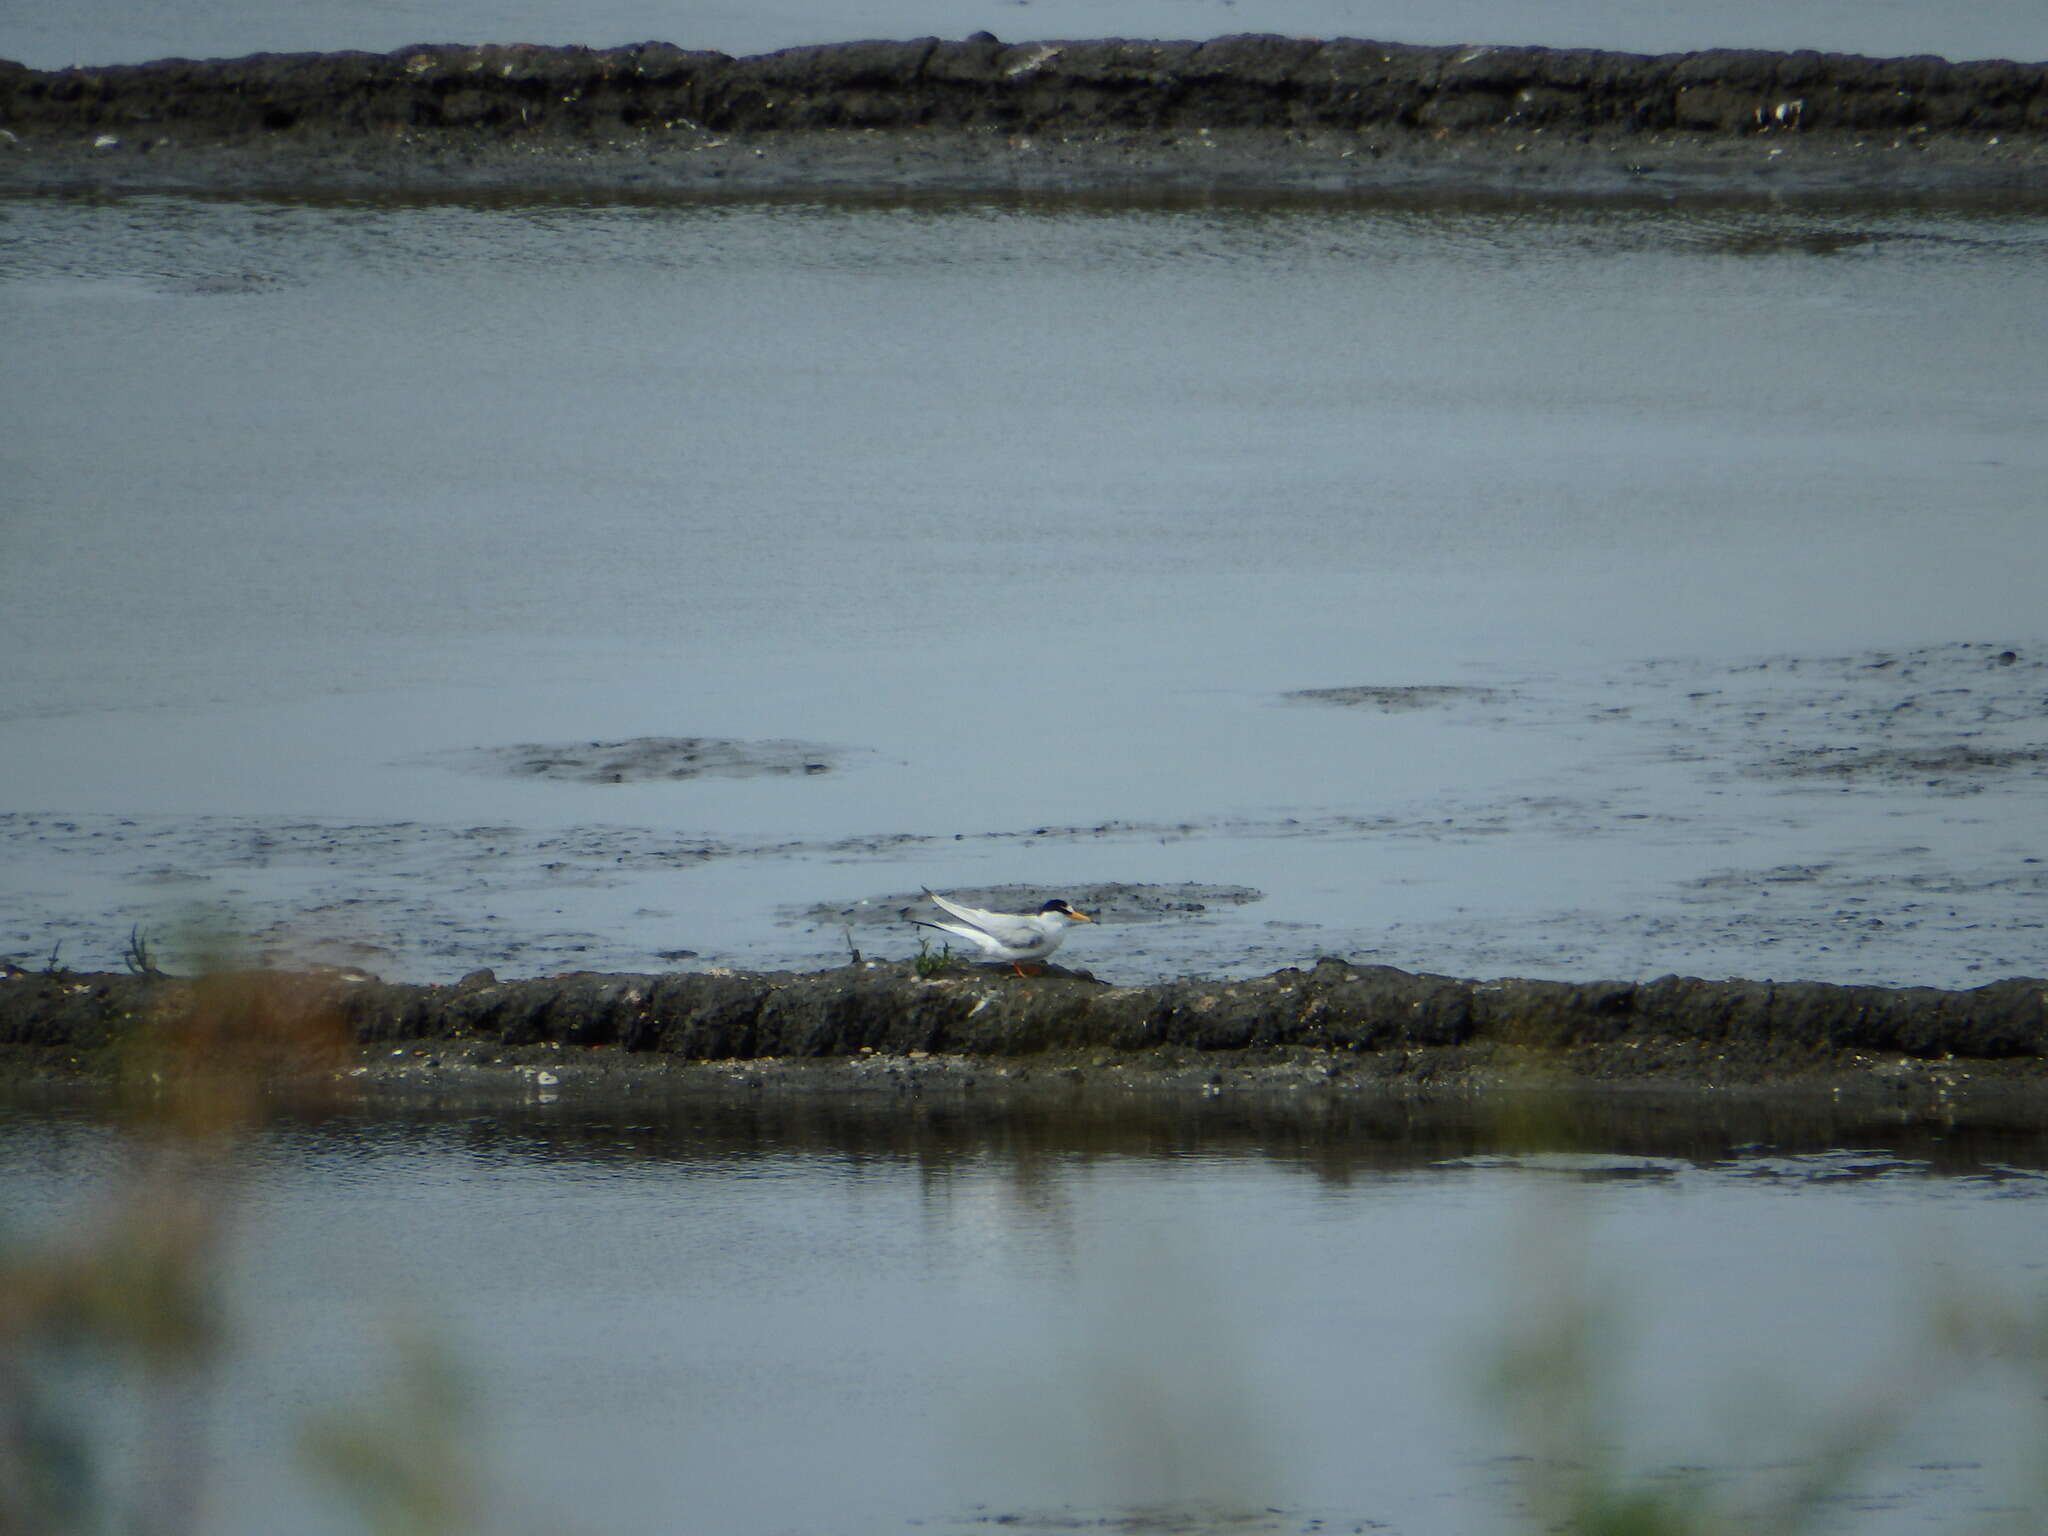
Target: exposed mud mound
[1335,1021]
[648,759]
[1251,109]
[1232,82]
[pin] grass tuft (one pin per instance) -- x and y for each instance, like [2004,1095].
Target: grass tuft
[930,962]
[138,957]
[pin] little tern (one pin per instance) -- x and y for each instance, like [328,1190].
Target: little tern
[1012,936]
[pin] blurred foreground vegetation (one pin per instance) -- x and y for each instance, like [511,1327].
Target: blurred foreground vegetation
[111,1335]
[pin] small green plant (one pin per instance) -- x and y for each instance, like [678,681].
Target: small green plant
[932,962]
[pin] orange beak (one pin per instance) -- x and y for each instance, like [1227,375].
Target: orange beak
[1078,916]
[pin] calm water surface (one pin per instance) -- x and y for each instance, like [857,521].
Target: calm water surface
[821,1318]
[1723,519]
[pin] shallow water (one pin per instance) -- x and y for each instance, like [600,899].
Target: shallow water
[811,1316]
[1709,537]
[125,31]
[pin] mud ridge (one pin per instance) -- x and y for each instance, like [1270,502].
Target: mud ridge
[1331,1023]
[1268,109]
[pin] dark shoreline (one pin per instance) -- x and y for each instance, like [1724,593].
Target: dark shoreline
[884,1028]
[1239,114]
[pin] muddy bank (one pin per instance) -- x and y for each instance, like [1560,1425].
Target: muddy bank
[1253,111]
[885,1025]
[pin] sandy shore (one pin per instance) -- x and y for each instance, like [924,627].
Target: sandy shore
[1267,114]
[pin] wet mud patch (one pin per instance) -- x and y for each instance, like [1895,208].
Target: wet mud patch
[1951,719]
[647,760]
[1906,887]
[1113,902]
[1835,240]
[225,285]
[1955,770]
[1392,699]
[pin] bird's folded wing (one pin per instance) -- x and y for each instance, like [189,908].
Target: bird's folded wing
[991,923]
[958,930]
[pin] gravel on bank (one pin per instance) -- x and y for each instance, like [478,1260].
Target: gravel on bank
[885,1026]
[1247,113]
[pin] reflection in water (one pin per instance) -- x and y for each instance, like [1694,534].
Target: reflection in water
[1338,1138]
[817,1314]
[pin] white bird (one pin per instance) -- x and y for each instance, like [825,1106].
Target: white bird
[1012,936]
